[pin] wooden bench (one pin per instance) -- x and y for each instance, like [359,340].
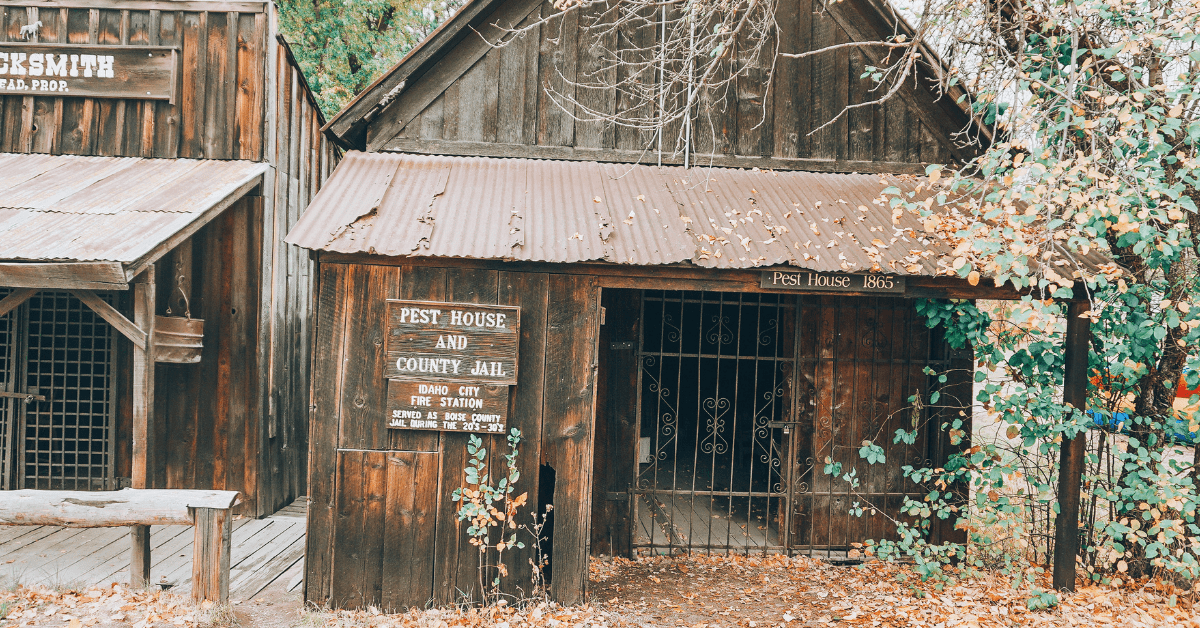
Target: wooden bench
[209,512]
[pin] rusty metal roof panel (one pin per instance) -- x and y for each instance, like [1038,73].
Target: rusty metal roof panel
[648,226]
[485,219]
[68,208]
[555,211]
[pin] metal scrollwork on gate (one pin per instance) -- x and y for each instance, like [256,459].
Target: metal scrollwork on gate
[720,332]
[766,336]
[673,332]
[714,439]
[667,425]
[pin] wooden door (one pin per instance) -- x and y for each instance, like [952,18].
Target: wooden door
[860,359]
[384,529]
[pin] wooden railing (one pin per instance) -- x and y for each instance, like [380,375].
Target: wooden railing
[209,512]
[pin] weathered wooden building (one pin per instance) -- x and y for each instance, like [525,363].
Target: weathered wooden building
[155,327]
[694,344]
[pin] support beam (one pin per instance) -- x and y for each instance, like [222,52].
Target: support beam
[210,555]
[143,377]
[15,299]
[64,275]
[130,330]
[1070,466]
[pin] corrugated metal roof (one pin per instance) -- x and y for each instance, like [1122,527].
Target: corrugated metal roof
[68,208]
[554,211]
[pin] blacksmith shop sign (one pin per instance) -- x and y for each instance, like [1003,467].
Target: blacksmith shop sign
[135,72]
[449,365]
[812,281]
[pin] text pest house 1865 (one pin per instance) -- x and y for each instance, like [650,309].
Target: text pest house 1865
[693,343]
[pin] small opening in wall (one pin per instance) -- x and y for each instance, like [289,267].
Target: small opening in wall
[546,499]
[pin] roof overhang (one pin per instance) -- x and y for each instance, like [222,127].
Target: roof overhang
[95,223]
[541,211]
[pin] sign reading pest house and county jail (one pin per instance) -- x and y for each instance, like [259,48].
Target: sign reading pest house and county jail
[135,72]
[811,281]
[449,365]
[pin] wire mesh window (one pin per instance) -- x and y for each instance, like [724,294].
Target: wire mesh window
[68,437]
[714,376]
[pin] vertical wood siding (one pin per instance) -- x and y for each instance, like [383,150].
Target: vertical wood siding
[217,114]
[499,103]
[552,407]
[239,419]
[303,159]
[204,434]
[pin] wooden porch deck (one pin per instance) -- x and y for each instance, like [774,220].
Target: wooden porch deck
[264,552]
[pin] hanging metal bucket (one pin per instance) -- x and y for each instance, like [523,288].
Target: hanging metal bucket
[178,339]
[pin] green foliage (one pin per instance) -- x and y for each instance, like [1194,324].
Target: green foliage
[491,509]
[1095,110]
[871,452]
[1041,600]
[343,46]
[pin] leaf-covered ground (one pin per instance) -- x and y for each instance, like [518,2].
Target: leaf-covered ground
[696,592]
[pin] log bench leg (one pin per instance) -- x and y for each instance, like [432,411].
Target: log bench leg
[210,555]
[139,556]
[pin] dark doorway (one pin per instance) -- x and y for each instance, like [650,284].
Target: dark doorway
[56,415]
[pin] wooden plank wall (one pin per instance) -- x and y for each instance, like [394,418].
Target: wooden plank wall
[303,160]
[499,106]
[204,415]
[552,406]
[859,359]
[218,112]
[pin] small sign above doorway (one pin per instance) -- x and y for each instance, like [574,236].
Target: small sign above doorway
[812,281]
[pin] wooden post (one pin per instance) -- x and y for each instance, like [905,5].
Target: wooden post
[139,556]
[210,555]
[143,409]
[1070,467]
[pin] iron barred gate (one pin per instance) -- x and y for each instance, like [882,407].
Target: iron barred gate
[714,376]
[57,396]
[745,398]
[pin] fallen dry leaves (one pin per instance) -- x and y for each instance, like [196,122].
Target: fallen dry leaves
[98,606]
[770,591]
[697,592]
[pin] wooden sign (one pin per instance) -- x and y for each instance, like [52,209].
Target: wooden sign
[452,342]
[136,72]
[447,407]
[811,281]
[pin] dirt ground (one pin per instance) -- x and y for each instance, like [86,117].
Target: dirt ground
[660,592]
[726,591]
